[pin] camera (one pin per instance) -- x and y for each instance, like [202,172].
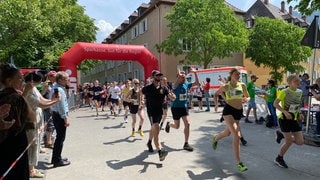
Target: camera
[313,86]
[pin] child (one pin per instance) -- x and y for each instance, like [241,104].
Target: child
[290,99]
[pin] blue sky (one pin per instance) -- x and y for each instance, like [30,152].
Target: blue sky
[109,14]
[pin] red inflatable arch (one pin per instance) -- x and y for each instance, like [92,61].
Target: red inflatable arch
[79,51]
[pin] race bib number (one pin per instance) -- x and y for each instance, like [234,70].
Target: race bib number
[294,108]
[135,102]
[183,97]
[97,93]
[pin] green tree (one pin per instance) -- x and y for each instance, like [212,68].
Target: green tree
[275,43]
[307,6]
[37,32]
[202,30]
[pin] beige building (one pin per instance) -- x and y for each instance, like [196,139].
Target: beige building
[147,26]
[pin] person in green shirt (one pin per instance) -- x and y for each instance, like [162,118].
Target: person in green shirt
[271,96]
[252,102]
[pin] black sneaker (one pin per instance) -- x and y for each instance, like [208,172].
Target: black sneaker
[162,155]
[167,127]
[187,147]
[161,124]
[279,136]
[150,148]
[280,162]
[247,121]
[221,119]
[243,141]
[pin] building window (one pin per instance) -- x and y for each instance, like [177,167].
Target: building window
[134,32]
[186,45]
[143,26]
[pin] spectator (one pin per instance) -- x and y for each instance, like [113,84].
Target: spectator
[60,118]
[13,139]
[252,102]
[316,94]
[304,82]
[206,88]
[36,102]
[271,96]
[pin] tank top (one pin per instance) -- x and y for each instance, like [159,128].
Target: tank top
[134,96]
[234,93]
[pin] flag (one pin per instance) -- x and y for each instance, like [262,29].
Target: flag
[309,39]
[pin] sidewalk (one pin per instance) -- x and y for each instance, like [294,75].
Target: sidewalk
[101,148]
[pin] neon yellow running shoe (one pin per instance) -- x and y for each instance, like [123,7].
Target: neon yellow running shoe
[141,133]
[242,167]
[214,142]
[133,134]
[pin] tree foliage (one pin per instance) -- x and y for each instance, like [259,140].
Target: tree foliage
[276,44]
[210,28]
[307,7]
[36,32]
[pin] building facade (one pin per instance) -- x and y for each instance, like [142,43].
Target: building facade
[147,26]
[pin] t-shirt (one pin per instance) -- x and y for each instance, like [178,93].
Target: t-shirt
[154,98]
[181,93]
[251,89]
[272,94]
[290,100]
[114,91]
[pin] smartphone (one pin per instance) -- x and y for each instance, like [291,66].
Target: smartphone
[56,92]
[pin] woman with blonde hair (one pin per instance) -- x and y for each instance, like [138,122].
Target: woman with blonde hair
[236,93]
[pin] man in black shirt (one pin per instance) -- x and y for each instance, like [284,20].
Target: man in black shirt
[154,95]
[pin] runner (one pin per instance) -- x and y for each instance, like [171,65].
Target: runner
[235,92]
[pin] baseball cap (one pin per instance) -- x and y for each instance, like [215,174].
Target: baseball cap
[270,81]
[52,73]
[156,73]
[254,76]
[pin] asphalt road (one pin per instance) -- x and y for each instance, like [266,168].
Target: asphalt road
[101,148]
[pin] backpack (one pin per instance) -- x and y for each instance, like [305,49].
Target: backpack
[269,121]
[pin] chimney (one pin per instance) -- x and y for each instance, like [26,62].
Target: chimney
[304,18]
[266,2]
[282,6]
[290,10]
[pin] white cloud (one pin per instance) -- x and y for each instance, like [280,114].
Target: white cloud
[105,29]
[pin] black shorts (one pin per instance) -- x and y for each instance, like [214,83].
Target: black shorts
[229,110]
[177,113]
[133,108]
[125,103]
[289,125]
[98,98]
[154,119]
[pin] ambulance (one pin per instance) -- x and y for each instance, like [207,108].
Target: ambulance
[218,77]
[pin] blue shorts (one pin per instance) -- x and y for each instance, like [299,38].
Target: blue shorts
[252,103]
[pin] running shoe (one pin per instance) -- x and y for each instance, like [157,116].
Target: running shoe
[243,141]
[214,142]
[242,167]
[187,147]
[133,134]
[280,162]
[150,148]
[167,127]
[162,155]
[279,136]
[141,133]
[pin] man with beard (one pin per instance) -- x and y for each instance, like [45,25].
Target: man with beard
[179,107]
[154,95]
